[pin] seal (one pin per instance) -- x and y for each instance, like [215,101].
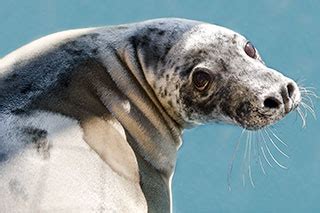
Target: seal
[91,119]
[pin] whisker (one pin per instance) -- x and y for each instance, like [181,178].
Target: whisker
[243,180]
[258,152]
[244,160]
[305,90]
[310,109]
[300,80]
[250,176]
[277,137]
[263,152]
[261,165]
[307,98]
[308,91]
[275,145]
[302,117]
[235,151]
[249,153]
[245,156]
[273,158]
[249,166]
[255,147]
[308,87]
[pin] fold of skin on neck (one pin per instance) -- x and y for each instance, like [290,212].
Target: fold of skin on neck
[112,88]
[130,99]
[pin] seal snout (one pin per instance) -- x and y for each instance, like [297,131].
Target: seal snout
[287,96]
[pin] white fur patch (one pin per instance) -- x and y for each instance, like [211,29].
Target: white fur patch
[73,179]
[204,35]
[126,106]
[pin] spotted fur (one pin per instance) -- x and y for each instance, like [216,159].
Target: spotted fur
[91,120]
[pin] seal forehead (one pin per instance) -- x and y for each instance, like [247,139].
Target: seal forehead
[205,34]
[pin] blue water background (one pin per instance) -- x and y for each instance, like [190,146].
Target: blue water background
[287,34]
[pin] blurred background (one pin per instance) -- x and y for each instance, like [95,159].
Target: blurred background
[287,35]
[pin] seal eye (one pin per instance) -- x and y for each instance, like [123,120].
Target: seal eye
[250,50]
[201,79]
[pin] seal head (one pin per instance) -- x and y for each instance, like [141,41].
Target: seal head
[216,75]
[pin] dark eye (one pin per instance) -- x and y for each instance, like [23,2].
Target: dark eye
[201,79]
[250,50]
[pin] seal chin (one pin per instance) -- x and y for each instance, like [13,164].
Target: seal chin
[254,127]
[262,120]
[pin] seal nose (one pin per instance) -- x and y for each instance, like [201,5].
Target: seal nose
[272,103]
[286,94]
[285,98]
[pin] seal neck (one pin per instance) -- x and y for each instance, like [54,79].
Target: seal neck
[131,100]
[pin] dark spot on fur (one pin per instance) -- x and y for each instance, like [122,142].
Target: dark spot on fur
[151,29]
[161,32]
[202,52]
[95,51]
[191,62]
[164,54]
[122,27]
[11,77]
[35,133]
[92,36]
[244,109]
[3,157]
[26,88]
[226,108]
[39,139]
[74,51]
[65,80]
[186,70]
[234,39]
[223,64]
[170,103]
[19,111]
[167,77]
[176,69]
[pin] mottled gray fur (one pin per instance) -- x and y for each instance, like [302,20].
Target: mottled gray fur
[128,92]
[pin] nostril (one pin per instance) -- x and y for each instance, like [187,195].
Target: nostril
[290,89]
[271,103]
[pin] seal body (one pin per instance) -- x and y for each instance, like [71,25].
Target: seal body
[91,119]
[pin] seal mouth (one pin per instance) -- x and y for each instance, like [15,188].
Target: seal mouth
[252,127]
[262,142]
[303,105]
[251,115]
[258,119]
